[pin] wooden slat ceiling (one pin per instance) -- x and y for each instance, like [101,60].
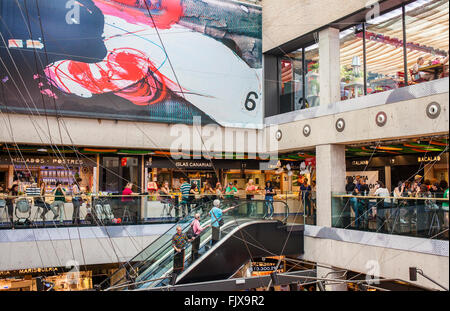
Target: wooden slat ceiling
[427,25]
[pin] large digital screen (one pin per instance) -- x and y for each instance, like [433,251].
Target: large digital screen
[144,60]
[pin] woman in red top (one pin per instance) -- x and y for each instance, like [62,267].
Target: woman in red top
[127,192]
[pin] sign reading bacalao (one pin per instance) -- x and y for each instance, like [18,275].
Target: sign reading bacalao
[429,159]
[36,160]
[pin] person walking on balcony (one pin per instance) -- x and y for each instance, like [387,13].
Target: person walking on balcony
[179,241]
[60,199]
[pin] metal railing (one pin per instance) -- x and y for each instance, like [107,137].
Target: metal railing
[154,262]
[425,215]
[25,211]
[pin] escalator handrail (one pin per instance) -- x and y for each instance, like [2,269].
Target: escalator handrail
[206,254]
[168,248]
[201,206]
[142,262]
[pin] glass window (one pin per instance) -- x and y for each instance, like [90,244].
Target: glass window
[291,92]
[312,88]
[384,52]
[427,23]
[352,63]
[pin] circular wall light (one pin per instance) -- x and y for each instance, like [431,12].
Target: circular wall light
[433,110]
[340,125]
[278,135]
[306,130]
[381,118]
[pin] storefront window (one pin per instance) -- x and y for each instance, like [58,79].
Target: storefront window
[299,79]
[427,39]
[425,36]
[352,63]
[312,88]
[384,52]
[291,93]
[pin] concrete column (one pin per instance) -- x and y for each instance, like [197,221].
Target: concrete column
[332,273]
[330,178]
[329,66]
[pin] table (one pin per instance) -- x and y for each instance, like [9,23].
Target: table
[354,87]
[435,69]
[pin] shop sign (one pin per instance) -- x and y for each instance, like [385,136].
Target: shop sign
[363,162]
[28,271]
[429,159]
[193,165]
[310,162]
[44,161]
[267,265]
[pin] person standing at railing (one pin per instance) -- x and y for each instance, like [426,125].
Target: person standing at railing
[128,200]
[179,241]
[10,199]
[230,193]
[269,193]
[305,190]
[185,190]
[422,207]
[76,201]
[194,197]
[250,191]
[219,191]
[383,205]
[208,193]
[40,201]
[445,205]
[313,197]
[351,189]
[166,199]
[365,208]
[60,199]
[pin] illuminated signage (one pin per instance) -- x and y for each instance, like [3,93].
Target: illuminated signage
[364,162]
[429,159]
[28,271]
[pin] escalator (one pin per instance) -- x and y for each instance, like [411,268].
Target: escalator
[244,235]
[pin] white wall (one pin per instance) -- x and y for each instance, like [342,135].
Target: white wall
[363,251]
[55,247]
[285,20]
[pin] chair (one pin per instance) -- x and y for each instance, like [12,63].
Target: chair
[23,207]
[413,80]
[3,209]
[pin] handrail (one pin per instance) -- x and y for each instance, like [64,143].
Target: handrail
[142,262]
[157,239]
[390,197]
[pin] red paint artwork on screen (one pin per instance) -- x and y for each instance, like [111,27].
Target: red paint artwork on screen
[127,73]
[165,13]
